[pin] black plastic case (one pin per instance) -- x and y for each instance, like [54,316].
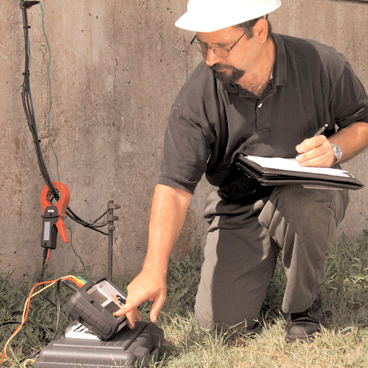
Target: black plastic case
[82,307]
[128,349]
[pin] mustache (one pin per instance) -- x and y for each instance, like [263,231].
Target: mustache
[218,66]
[232,76]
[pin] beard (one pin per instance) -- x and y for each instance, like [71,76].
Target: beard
[227,74]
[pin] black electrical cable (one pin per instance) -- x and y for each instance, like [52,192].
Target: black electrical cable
[58,309]
[29,111]
[41,278]
[28,4]
[84,223]
[9,323]
[44,264]
[69,285]
[31,120]
[58,313]
[28,103]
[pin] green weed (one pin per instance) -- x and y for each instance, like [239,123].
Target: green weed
[342,344]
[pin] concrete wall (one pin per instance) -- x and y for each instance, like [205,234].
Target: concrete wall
[116,67]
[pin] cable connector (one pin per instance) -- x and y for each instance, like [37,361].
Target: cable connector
[28,4]
[69,285]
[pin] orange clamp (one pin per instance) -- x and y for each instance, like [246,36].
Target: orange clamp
[62,204]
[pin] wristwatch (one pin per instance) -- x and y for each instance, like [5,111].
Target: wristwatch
[337,152]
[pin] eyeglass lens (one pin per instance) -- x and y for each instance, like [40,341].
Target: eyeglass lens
[217,50]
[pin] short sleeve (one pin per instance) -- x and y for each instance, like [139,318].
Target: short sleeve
[349,100]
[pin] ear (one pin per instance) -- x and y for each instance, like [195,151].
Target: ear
[260,30]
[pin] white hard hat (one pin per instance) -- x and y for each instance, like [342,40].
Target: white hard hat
[212,15]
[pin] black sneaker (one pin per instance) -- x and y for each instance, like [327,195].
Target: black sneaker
[304,325]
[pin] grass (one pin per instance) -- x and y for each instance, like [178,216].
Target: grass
[343,343]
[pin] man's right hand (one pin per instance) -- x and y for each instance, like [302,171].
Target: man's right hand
[146,286]
[168,212]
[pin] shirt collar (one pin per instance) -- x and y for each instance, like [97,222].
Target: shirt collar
[279,69]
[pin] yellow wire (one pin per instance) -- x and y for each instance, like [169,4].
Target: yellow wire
[28,360]
[46,287]
[23,319]
[25,309]
[36,293]
[78,279]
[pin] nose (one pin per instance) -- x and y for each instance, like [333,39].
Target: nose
[211,58]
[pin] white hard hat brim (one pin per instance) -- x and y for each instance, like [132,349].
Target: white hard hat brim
[213,15]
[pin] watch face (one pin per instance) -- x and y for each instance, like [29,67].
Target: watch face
[337,152]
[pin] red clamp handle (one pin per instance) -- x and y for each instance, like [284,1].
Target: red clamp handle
[62,204]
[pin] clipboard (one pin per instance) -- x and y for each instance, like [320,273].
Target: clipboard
[282,171]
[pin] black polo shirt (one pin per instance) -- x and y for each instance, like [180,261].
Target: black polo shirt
[211,123]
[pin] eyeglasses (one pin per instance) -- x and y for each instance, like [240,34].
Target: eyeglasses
[220,51]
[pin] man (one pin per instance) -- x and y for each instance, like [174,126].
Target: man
[262,94]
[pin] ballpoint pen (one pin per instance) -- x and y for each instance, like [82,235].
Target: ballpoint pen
[320,130]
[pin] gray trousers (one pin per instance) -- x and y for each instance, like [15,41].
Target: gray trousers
[242,247]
